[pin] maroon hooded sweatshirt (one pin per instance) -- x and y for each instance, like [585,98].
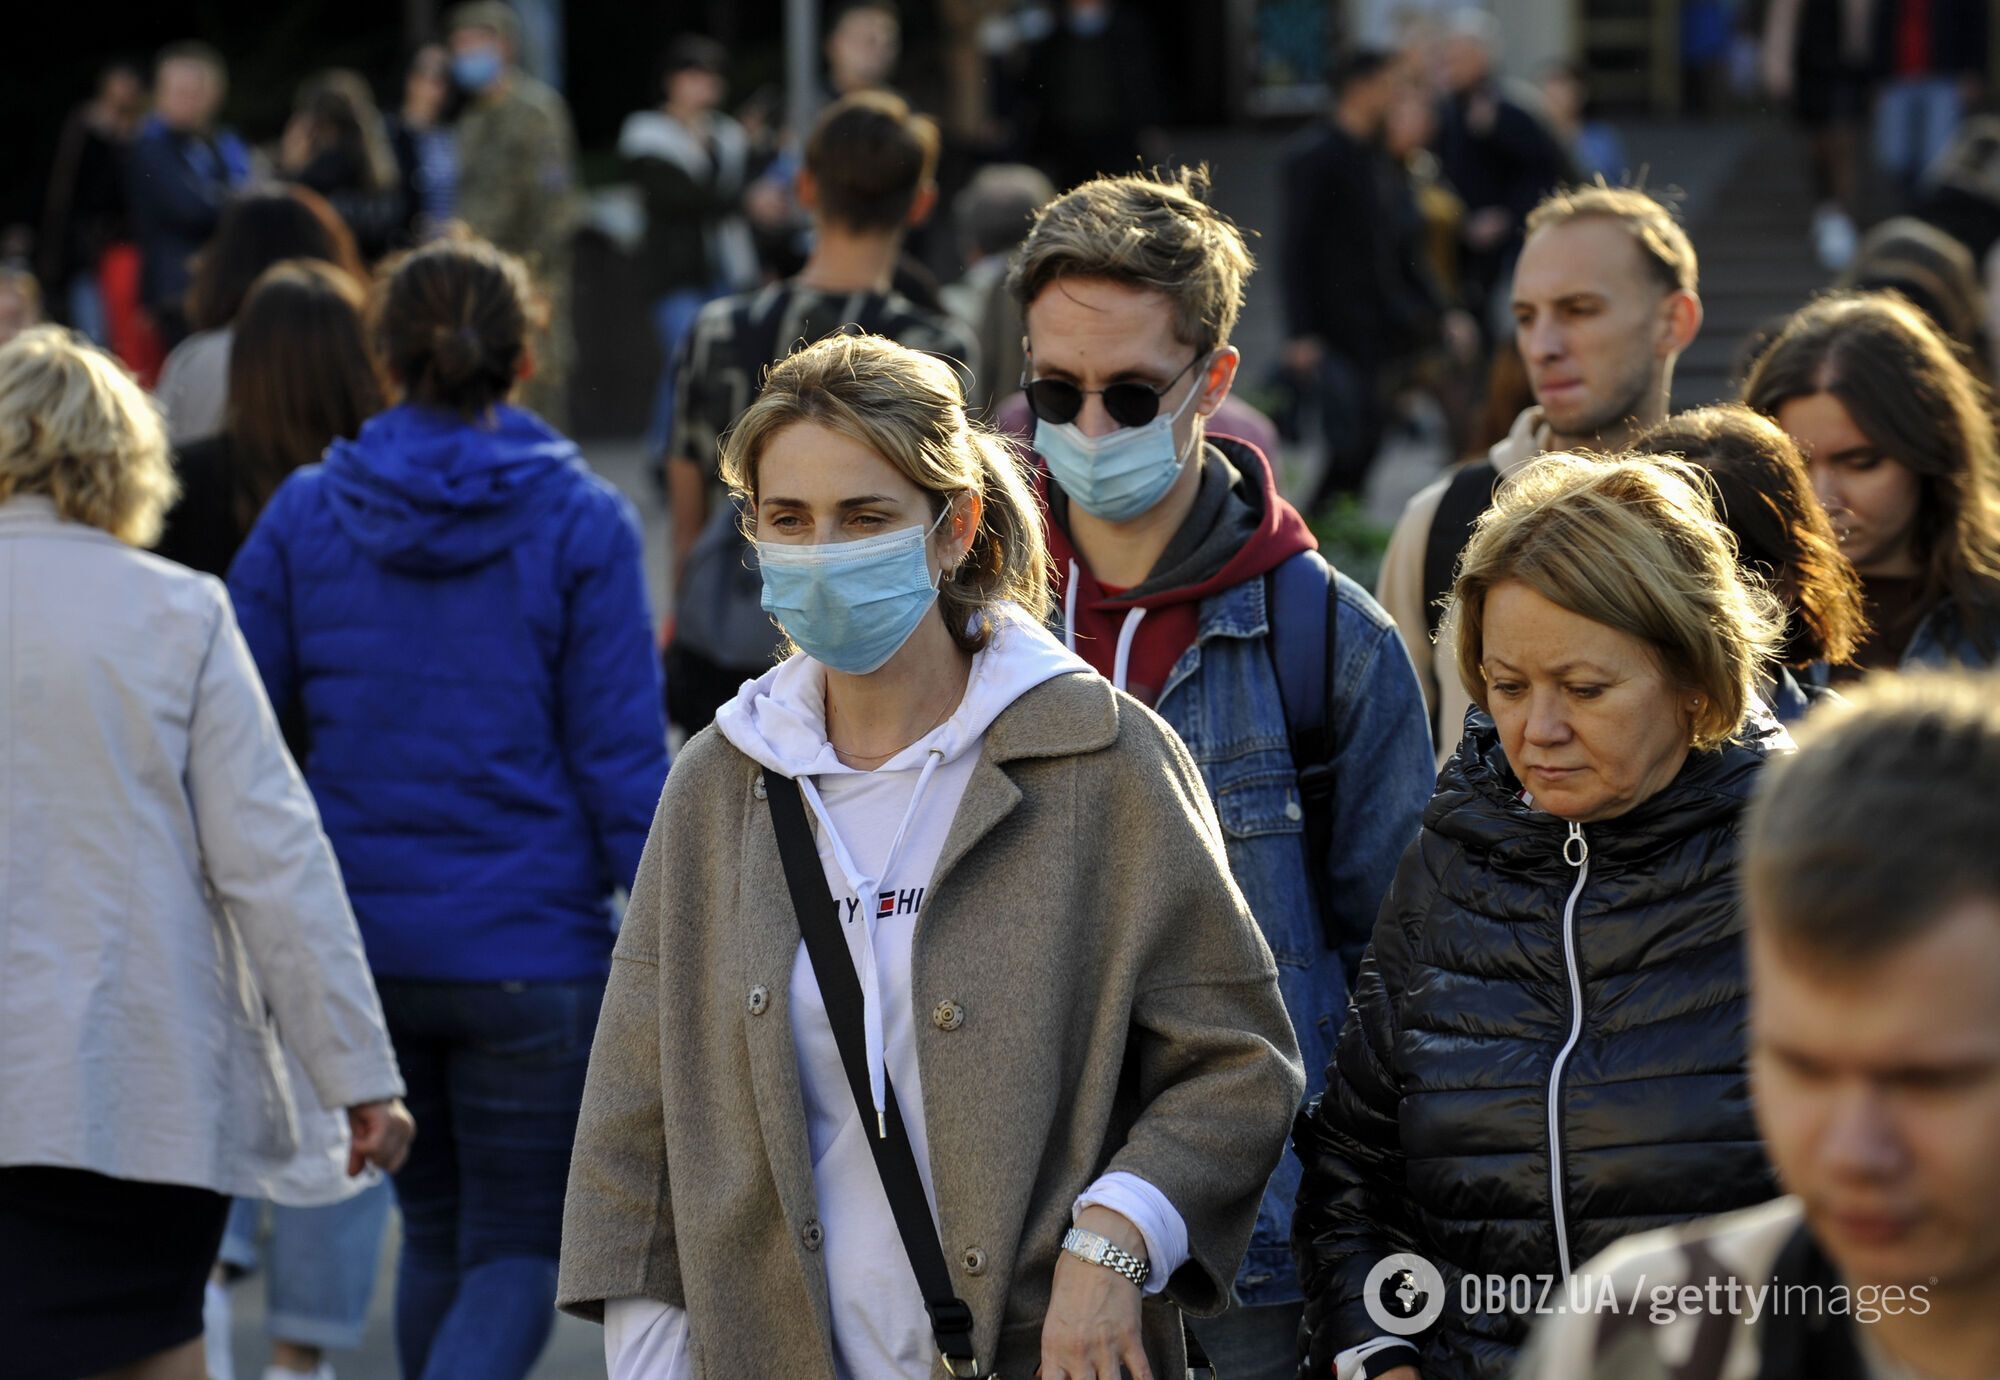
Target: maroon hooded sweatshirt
[1239,529]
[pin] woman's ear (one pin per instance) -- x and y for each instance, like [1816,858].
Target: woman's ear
[966,511]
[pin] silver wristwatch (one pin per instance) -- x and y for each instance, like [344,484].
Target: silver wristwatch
[1088,1245]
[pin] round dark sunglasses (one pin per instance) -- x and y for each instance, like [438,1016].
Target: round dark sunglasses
[1130,404]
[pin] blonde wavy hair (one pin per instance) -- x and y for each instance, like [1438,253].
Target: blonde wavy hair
[909,408]
[1631,542]
[75,427]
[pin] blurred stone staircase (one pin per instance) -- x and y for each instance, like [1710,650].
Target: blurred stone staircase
[1751,233]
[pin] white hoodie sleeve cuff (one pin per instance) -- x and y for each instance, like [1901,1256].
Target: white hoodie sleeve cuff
[1373,1357]
[645,1339]
[1164,1229]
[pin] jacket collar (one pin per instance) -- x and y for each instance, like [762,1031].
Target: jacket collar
[36,514]
[1478,800]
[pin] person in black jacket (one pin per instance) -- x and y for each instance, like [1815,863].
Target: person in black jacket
[1356,301]
[692,163]
[1545,1048]
[1498,154]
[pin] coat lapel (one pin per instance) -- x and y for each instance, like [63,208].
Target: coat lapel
[1069,715]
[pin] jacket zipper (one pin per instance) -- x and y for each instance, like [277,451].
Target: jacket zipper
[1576,852]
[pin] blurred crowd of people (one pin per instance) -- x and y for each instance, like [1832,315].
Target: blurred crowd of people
[1073,903]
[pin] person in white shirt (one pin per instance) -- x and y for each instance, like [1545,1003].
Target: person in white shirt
[1063,998]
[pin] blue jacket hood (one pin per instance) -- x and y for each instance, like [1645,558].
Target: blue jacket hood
[426,490]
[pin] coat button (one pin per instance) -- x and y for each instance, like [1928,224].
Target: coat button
[812,1234]
[974,1260]
[1293,812]
[760,999]
[948,1015]
[757,788]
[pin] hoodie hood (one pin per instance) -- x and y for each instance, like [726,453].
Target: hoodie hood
[425,490]
[779,719]
[1239,529]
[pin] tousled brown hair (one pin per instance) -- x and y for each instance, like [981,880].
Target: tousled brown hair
[257,230]
[300,374]
[452,324]
[1907,389]
[1766,498]
[1883,821]
[1154,232]
[869,156]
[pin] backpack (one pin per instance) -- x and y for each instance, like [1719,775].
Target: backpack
[1465,499]
[1303,605]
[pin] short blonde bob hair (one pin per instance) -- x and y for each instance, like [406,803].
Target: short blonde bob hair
[909,408]
[76,428]
[1633,543]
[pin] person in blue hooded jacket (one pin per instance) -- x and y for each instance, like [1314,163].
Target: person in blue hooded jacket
[453,609]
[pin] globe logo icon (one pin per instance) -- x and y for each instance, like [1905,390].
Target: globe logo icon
[1404,1294]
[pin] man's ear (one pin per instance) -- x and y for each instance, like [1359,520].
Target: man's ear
[1684,317]
[1217,379]
[922,205]
[805,189]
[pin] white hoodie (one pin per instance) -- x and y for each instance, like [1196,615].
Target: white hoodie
[880,834]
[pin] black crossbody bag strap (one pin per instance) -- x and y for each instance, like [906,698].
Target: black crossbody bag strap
[895,1161]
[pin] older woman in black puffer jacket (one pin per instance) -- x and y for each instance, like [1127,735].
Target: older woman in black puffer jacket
[1545,1050]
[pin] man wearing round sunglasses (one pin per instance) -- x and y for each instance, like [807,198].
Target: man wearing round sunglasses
[1173,556]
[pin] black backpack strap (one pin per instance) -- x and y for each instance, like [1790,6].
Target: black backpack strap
[1303,607]
[1469,494]
[895,1161]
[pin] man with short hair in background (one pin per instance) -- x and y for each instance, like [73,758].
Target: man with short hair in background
[868,176]
[517,183]
[1604,302]
[181,172]
[1874,944]
[992,216]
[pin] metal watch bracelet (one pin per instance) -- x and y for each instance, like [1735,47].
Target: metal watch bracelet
[1088,1245]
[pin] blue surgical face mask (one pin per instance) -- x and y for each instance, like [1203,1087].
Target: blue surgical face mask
[851,605]
[475,69]
[1118,475]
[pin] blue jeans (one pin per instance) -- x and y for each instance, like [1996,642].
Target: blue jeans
[495,1077]
[673,318]
[1915,118]
[319,1265]
[1252,1343]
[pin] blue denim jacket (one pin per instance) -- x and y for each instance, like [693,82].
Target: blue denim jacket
[1946,638]
[1222,698]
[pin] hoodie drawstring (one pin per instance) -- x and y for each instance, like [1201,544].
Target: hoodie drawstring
[1069,606]
[1128,631]
[865,965]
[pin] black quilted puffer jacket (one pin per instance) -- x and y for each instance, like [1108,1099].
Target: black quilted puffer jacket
[1545,1052]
